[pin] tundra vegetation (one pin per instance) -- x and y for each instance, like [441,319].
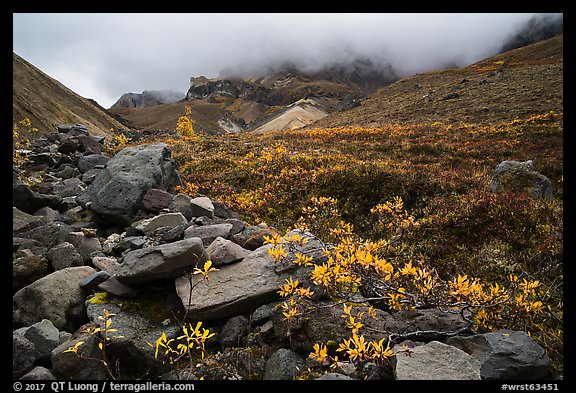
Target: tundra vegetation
[406,217]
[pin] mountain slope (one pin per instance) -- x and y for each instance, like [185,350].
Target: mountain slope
[522,81]
[243,103]
[48,103]
[296,115]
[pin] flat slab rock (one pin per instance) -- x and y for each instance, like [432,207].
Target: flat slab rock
[236,287]
[436,361]
[161,262]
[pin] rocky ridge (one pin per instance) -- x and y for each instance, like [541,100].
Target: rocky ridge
[283,97]
[96,233]
[48,103]
[148,98]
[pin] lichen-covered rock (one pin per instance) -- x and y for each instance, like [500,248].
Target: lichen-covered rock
[116,193]
[506,354]
[57,297]
[135,327]
[521,177]
[436,361]
[284,365]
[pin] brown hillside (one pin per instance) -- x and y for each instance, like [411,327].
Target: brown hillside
[523,81]
[48,103]
[165,116]
[252,102]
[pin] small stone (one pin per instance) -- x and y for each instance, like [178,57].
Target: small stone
[202,206]
[92,281]
[155,200]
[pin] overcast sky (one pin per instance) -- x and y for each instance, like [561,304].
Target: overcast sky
[102,56]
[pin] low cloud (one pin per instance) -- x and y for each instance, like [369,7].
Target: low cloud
[102,56]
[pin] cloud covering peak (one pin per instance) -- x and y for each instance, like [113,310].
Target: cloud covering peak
[102,56]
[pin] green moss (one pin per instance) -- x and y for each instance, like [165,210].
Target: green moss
[330,344]
[151,306]
[99,298]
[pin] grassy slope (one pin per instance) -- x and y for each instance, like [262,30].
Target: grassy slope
[514,84]
[48,103]
[165,117]
[438,158]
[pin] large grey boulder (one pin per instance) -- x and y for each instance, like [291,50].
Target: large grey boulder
[238,287]
[116,193]
[436,361]
[161,262]
[506,354]
[134,329]
[521,177]
[56,297]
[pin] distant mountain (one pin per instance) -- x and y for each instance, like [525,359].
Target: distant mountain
[280,97]
[539,27]
[504,87]
[148,98]
[285,96]
[48,103]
